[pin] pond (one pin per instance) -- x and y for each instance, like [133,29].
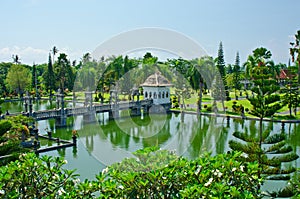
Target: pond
[108,141]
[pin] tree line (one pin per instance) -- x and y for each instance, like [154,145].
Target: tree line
[199,74]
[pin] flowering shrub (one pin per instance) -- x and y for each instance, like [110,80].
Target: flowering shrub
[152,174]
[161,174]
[45,177]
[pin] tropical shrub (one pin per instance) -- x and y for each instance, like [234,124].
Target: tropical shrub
[5,125]
[33,177]
[238,108]
[12,129]
[161,174]
[209,108]
[174,101]
[151,174]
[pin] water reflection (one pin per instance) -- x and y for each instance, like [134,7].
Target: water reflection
[189,135]
[108,141]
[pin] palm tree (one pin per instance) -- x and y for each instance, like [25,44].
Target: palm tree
[248,66]
[198,76]
[295,52]
[54,52]
[86,58]
[16,59]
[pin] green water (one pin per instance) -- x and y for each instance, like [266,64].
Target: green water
[108,141]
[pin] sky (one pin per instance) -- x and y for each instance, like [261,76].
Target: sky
[30,28]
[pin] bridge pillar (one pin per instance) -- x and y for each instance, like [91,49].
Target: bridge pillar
[114,112]
[89,116]
[136,110]
[146,109]
[30,106]
[61,121]
[114,106]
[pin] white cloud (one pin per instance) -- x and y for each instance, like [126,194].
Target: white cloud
[29,55]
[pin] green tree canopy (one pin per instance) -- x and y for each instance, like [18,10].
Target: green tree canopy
[18,78]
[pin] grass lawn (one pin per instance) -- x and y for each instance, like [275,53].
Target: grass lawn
[243,102]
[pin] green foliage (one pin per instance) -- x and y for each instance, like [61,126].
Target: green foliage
[158,174]
[294,186]
[152,174]
[275,144]
[4,67]
[64,72]
[208,108]
[220,61]
[295,52]
[11,130]
[33,177]
[290,92]
[49,76]
[238,108]
[18,78]
[265,101]
[5,125]
[174,101]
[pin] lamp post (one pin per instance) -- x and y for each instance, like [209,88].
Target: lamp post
[35,82]
[26,102]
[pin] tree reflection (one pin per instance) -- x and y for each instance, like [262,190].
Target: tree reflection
[210,135]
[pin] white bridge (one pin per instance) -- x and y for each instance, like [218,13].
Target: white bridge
[89,111]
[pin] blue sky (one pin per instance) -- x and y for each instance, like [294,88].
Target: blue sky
[30,28]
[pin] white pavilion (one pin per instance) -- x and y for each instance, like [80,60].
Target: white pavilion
[157,88]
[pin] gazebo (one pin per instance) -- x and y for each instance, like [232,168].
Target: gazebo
[157,88]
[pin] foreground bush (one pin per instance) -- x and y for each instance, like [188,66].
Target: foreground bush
[161,174]
[152,174]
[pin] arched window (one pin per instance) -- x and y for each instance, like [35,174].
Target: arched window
[146,95]
[159,95]
[154,95]
[167,94]
[163,94]
[150,95]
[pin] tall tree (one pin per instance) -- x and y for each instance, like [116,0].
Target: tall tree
[4,67]
[236,74]
[290,91]
[86,58]
[49,77]
[87,73]
[265,103]
[54,52]
[295,52]
[220,61]
[63,71]
[34,77]
[16,59]
[200,75]
[128,81]
[18,78]
[182,72]
[220,84]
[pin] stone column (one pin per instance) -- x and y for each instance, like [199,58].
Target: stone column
[89,116]
[114,107]
[62,119]
[30,106]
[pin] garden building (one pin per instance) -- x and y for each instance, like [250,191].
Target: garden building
[157,88]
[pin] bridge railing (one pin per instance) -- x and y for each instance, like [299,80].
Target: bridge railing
[46,114]
[76,111]
[102,108]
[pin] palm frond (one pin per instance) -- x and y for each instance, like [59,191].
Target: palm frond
[245,137]
[274,138]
